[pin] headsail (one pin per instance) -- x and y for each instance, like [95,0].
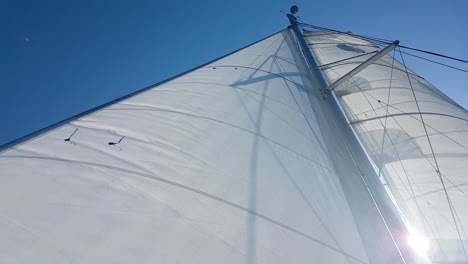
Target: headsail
[416,136]
[234,162]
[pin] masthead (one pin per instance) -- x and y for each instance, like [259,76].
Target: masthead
[294,9]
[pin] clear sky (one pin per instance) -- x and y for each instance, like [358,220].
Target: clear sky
[60,58]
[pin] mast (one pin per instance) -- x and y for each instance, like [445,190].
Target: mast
[368,176]
[306,51]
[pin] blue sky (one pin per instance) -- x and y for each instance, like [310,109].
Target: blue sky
[80,54]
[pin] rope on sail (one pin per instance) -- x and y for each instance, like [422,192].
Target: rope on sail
[411,116]
[366,185]
[413,196]
[370,192]
[385,120]
[368,101]
[425,221]
[407,73]
[452,209]
[423,218]
[437,131]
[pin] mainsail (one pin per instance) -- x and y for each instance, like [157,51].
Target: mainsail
[241,160]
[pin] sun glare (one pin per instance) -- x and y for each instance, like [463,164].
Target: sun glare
[418,243]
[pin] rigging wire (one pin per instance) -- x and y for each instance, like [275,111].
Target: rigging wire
[365,183]
[386,114]
[424,219]
[407,73]
[385,41]
[374,40]
[436,62]
[382,41]
[319,28]
[437,168]
[337,43]
[370,193]
[414,142]
[411,138]
[350,58]
[369,190]
[452,209]
[421,215]
[434,53]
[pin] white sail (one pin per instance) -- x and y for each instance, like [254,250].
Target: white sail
[237,161]
[416,136]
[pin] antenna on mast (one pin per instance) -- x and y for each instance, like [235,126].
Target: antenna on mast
[305,49]
[294,9]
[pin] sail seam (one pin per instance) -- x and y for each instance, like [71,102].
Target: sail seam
[406,113]
[208,195]
[146,108]
[239,88]
[403,112]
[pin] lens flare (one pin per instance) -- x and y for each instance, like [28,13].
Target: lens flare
[418,243]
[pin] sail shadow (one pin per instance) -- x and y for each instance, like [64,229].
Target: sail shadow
[194,190]
[285,170]
[265,78]
[147,108]
[253,80]
[257,121]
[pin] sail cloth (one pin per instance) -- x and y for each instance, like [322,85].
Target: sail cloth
[229,163]
[416,136]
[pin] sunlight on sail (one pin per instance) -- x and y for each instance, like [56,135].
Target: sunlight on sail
[419,243]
